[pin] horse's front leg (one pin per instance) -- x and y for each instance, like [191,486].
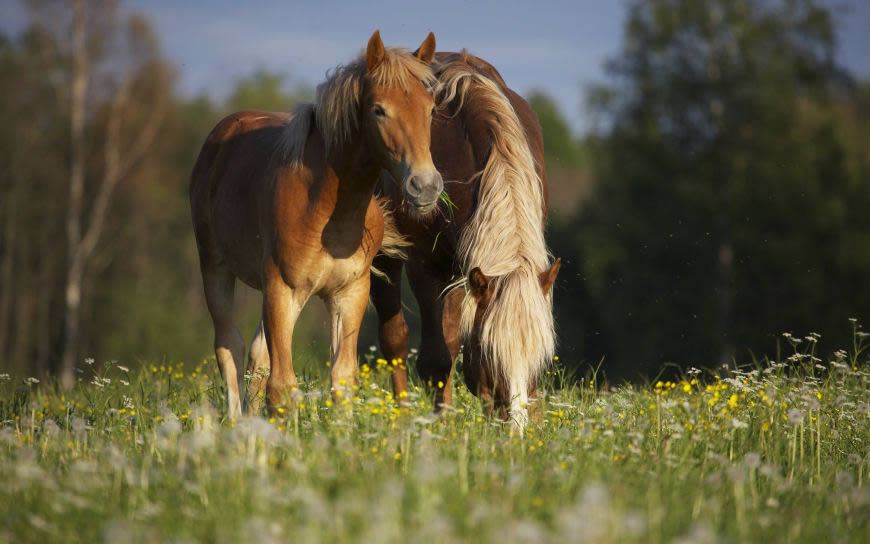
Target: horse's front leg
[346,307]
[439,342]
[281,308]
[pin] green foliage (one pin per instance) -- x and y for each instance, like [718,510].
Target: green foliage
[561,148]
[765,454]
[731,187]
[264,90]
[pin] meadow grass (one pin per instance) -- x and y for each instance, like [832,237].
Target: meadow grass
[773,453]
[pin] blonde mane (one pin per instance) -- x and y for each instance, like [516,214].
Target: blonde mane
[505,238]
[336,109]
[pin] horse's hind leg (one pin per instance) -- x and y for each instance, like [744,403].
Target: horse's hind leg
[258,369]
[219,285]
[386,296]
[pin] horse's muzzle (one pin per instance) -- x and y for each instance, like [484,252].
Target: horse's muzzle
[422,191]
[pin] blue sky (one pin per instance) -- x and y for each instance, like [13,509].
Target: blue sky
[556,46]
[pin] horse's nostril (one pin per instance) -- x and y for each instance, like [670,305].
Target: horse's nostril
[414,186]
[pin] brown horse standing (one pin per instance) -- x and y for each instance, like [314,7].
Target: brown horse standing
[486,141]
[284,203]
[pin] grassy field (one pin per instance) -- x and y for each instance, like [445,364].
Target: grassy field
[777,453]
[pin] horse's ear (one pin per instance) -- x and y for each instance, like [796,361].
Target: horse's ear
[374,51]
[426,51]
[547,277]
[478,284]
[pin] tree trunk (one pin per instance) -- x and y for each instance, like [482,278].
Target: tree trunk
[73,291]
[83,236]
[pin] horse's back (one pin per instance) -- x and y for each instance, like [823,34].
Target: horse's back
[227,187]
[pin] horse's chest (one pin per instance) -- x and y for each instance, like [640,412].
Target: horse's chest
[319,271]
[344,271]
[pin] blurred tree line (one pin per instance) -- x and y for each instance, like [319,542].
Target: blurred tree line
[719,199]
[731,190]
[136,141]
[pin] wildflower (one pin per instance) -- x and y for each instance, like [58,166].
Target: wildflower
[732,402]
[737,424]
[795,416]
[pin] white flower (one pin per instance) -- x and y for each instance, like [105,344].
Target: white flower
[752,460]
[795,416]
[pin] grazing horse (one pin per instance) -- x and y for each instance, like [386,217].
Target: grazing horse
[489,233]
[284,202]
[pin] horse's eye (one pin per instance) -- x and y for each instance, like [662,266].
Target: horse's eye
[379,111]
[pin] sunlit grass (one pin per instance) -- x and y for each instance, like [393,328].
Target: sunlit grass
[773,453]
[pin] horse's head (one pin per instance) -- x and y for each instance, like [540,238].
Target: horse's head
[507,337]
[397,113]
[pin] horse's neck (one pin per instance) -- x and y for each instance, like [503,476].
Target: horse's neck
[354,174]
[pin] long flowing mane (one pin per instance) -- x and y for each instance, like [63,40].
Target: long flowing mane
[336,108]
[505,236]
